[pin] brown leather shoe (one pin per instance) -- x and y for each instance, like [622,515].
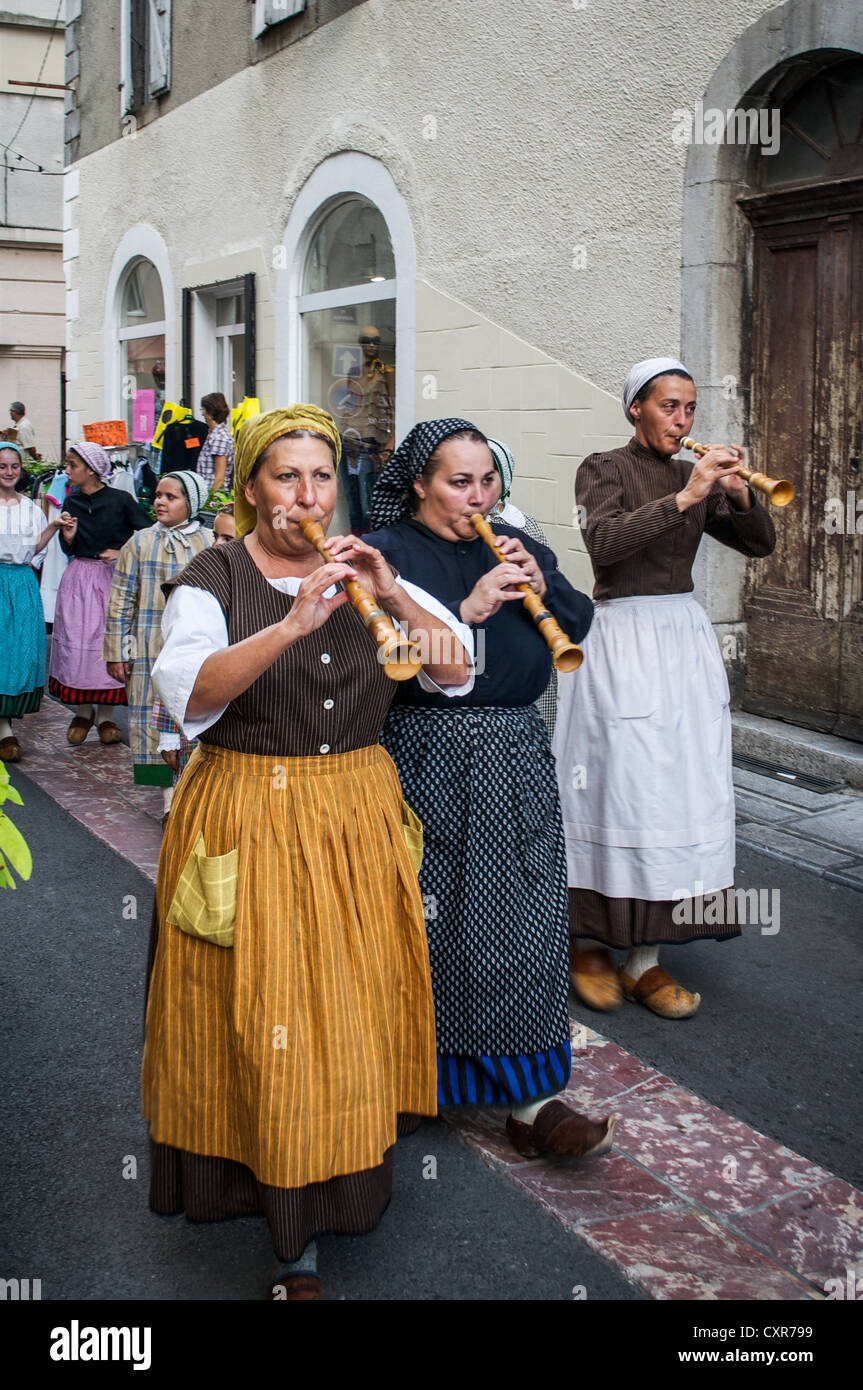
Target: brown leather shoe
[79,729]
[594,978]
[109,733]
[561,1131]
[660,993]
[10,750]
[296,1288]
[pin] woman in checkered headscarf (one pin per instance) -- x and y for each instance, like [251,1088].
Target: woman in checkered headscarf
[477,769]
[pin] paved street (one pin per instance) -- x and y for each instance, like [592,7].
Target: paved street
[734,1153]
[73,973]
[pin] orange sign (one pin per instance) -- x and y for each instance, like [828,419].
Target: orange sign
[109,433]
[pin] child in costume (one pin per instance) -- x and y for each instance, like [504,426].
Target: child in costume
[133,627]
[175,748]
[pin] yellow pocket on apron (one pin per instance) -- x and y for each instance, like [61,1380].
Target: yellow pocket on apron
[205,903]
[413,828]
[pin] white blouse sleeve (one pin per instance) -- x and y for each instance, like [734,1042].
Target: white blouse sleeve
[461,631]
[40,521]
[193,627]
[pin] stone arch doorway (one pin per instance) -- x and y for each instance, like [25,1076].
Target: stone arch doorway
[804,326]
[772,311]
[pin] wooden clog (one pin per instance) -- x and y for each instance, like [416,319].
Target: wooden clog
[295,1288]
[10,750]
[594,978]
[79,729]
[563,1132]
[660,993]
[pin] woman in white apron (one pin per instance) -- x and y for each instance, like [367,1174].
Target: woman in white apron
[643,736]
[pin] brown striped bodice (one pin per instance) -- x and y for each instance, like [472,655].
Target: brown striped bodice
[326,694]
[638,540]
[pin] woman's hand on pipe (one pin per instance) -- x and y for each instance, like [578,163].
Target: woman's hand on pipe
[492,590]
[373,571]
[310,609]
[513,550]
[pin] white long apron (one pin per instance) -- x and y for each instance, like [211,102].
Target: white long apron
[643,749]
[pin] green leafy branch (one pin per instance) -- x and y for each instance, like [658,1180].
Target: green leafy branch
[217,499]
[13,846]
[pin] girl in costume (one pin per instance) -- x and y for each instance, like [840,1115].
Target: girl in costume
[175,748]
[133,625]
[24,533]
[96,523]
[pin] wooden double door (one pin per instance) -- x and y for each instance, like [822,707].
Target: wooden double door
[804,608]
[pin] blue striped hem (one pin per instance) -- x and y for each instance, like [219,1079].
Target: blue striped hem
[502,1080]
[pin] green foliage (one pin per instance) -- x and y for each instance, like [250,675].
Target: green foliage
[217,499]
[34,469]
[13,846]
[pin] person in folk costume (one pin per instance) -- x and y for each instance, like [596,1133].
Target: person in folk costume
[506,511]
[479,773]
[643,736]
[24,533]
[96,523]
[290,1025]
[174,748]
[133,623]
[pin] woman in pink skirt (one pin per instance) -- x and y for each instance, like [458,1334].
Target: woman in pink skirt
[97,521]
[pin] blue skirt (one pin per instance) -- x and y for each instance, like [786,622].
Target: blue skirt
[483,783]
[22,651]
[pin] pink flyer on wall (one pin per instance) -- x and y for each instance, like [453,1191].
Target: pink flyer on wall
[143,416]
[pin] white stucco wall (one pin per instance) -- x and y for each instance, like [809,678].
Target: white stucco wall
[532,145]
[552,131]
[468,366]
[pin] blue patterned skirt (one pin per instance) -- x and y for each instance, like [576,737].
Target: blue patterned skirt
[22,650]
[493,879]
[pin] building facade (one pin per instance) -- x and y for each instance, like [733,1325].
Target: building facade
[510,204]
[32,291]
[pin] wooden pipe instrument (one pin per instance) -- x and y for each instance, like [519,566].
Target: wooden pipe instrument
[779,490]
[566,655]
[400,658]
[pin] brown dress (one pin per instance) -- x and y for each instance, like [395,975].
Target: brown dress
[290,1023]
[641,544]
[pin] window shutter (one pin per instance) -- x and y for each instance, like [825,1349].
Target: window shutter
[159,47]
[249,321]
[270,12]
[187,349]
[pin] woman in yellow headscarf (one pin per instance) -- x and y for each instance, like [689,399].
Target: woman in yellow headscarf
[290,1020]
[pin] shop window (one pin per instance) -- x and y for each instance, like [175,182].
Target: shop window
[347,310]
[141,338]
[219,341]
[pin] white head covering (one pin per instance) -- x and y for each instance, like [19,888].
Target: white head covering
[645,371]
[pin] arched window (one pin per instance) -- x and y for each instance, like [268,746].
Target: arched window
[347,270]
[347,309]
[141,331]
[821,129]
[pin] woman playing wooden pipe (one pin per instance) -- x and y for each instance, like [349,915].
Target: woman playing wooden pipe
[290,1019]
[479,773]
[643,735]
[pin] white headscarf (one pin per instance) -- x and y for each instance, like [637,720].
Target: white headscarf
[642,373]
[195,490]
